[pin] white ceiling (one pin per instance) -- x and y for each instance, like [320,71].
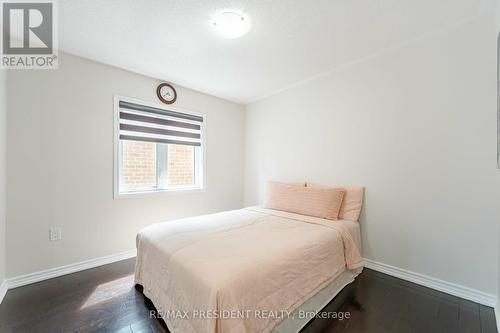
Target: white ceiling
[291,40]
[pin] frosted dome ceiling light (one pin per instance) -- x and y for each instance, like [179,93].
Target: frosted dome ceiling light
[231,24]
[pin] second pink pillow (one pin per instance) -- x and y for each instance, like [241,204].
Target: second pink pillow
[351,204]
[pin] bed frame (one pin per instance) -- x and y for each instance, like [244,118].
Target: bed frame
[316,325]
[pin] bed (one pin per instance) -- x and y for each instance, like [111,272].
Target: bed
[247,270]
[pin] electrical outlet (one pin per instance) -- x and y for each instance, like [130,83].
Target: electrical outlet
[55,234]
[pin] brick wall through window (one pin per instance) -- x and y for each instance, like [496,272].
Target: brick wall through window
[180,165]
[139,165]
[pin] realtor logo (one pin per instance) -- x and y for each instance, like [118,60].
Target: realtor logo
[29,36]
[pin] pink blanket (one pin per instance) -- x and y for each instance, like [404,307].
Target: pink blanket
[239,271]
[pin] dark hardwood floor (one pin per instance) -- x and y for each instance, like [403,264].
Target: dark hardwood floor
[104,300]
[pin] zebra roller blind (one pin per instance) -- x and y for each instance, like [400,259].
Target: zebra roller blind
[145,123]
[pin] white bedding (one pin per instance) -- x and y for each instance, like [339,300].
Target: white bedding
[354,230]
[245,260]
[316,303]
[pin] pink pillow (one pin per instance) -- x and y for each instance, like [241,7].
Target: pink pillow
[302,184]
[351,204]
[323,202]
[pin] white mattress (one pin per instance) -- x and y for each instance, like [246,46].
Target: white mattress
[295,323]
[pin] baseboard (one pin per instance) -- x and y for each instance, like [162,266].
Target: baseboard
[433,283]
[424,280]
[3,290]
[23,280]
[497,315]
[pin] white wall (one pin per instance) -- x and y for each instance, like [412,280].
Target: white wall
[497,21]
[3,167]
[60,164]
[417,126]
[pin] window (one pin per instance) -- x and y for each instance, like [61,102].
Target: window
[157,149]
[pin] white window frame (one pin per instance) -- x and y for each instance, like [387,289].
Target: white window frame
[200,172]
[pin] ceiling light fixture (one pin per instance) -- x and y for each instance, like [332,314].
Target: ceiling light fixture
[231,24]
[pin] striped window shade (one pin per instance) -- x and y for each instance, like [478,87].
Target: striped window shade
[149,124]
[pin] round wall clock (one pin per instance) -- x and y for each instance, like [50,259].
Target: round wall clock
[166,93]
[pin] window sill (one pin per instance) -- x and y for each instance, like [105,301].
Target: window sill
[138,194]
